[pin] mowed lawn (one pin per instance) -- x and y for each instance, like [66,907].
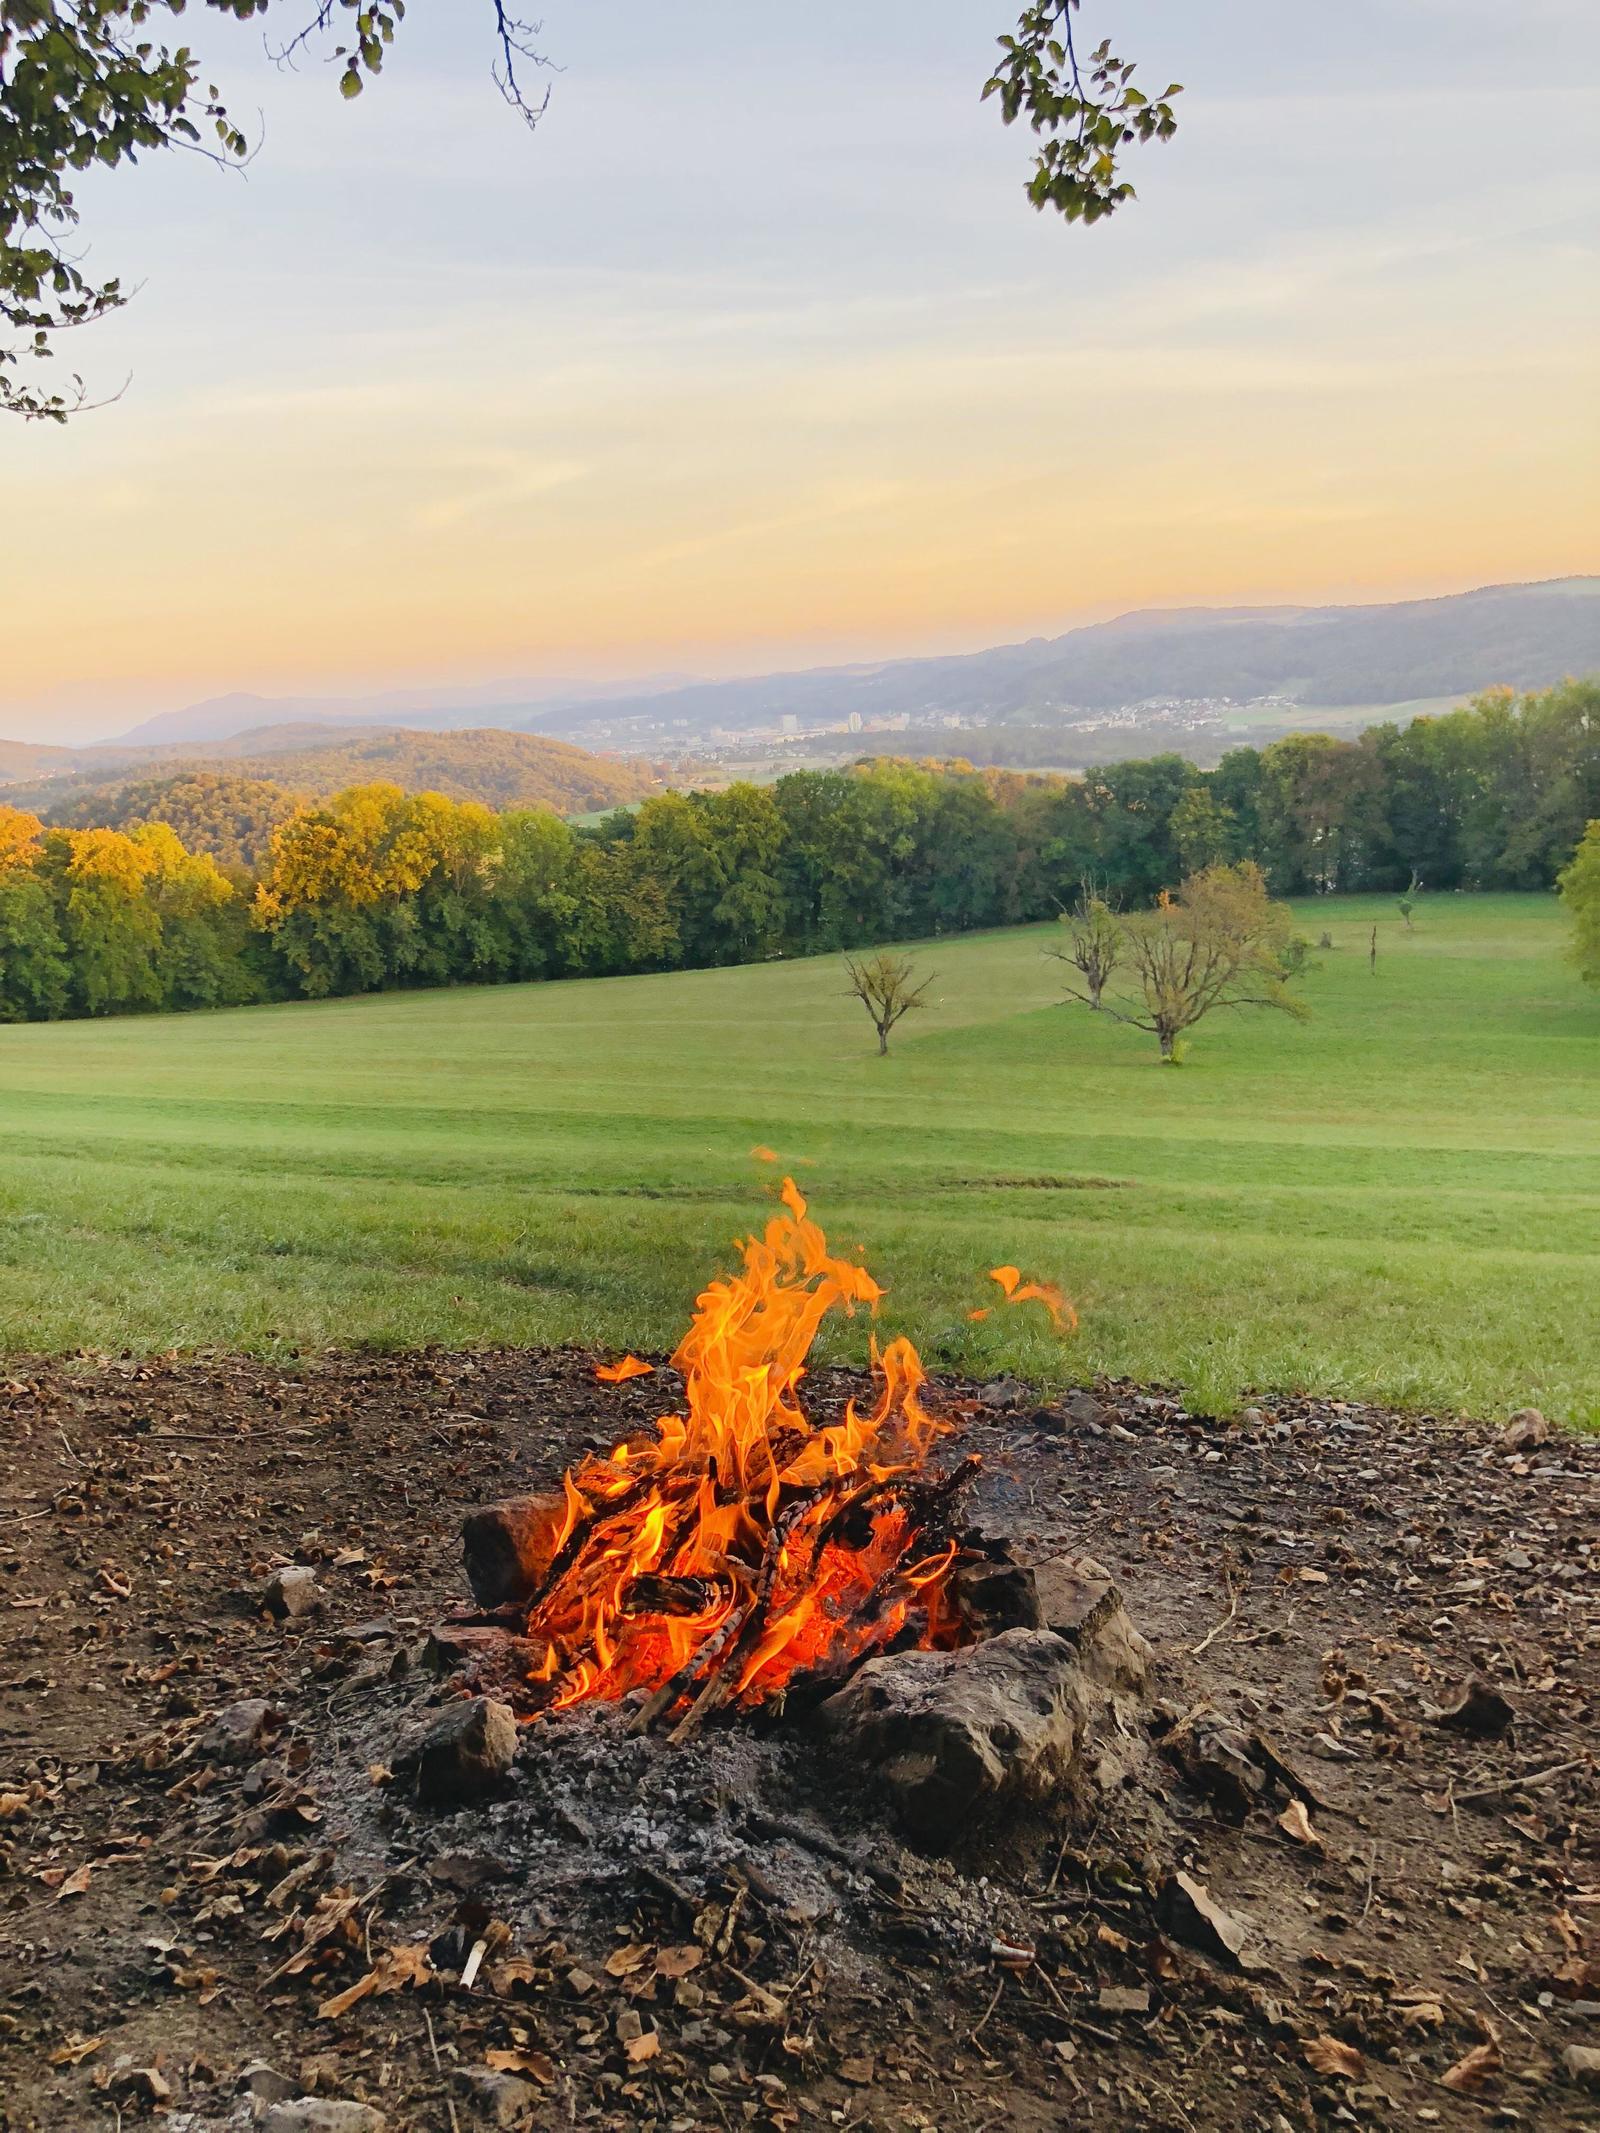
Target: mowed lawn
[1399,1199]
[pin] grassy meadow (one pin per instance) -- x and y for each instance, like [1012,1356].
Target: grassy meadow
[1399,1199]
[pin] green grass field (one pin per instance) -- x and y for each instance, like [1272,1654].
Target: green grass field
[1397,1200]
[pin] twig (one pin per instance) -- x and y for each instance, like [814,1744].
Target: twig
[1211,1635]
[1524,1781]
[973,2034]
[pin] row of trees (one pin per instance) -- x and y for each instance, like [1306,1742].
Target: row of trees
[376,887]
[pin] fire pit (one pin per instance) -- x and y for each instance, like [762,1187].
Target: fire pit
[741,1558]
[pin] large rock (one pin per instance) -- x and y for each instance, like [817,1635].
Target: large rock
[500,2100]
[1078,1601]
[464,1753]
[290,1594]
[954,1736]
[508,1547]
[323,2114]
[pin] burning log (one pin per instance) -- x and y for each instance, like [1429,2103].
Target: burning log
[739,1545]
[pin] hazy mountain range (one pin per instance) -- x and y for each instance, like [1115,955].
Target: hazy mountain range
[1525,635]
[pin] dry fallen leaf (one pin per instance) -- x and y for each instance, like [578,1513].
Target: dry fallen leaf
[76,2051]
[76,1884]
[1421,2014]
[1296,1823]
[1332,2056]
[643,2047]
[394,1968]
[1474,2070]
[678,1962]
[510,2062]
[860,2073]
[624,1961]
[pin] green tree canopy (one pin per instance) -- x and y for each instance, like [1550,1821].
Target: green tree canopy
[1580,892]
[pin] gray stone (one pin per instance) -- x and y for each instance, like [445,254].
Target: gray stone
[996,1595]
[498,2099]
[290,1593]
[242,1732]
[323,2114]
[264,2081]
[1080,1603]
[1582,2062]
[1124,1999]
[464,1753]
[955,1735]
[1004,1395]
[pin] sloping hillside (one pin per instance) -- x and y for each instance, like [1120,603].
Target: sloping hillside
[1529,636]
[231,819]
[20,760]
[483,763]
[247,782]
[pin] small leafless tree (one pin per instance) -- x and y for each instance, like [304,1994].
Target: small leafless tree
[882,983]
[1219,942]
[1094,942]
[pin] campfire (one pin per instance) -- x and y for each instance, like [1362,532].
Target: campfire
[739,1554]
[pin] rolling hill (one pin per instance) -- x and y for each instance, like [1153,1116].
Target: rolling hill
[1526,635]
[284,763]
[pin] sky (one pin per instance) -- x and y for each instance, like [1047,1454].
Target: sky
[754,355]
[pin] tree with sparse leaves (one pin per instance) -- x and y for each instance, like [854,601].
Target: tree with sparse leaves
[883,985]
[87,83]
[1219,941]
[1094,942]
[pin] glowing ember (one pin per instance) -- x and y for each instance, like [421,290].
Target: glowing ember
[738,1546]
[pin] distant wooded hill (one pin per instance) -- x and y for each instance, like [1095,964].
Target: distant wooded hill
[230,795]
[1526,636]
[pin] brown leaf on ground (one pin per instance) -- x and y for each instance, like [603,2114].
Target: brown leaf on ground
[1296,1823]
[645,2046]
[1333,2057]
[393,1969]
[75,2051]
[1472,2071]
[502,2061]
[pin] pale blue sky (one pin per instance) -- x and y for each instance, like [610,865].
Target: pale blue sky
[756,355]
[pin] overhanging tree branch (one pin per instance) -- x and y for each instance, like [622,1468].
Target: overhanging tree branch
[83,84]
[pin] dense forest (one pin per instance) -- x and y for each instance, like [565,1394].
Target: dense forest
[375,887]
[102,786]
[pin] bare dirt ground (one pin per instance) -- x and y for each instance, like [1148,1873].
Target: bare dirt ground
[1404,1920]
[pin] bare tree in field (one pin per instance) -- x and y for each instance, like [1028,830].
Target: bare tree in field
[1220,941]
[1095,943]
[882,983]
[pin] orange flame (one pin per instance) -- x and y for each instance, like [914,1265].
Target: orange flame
[739,1543]
[1062,1315]
[619,1373]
